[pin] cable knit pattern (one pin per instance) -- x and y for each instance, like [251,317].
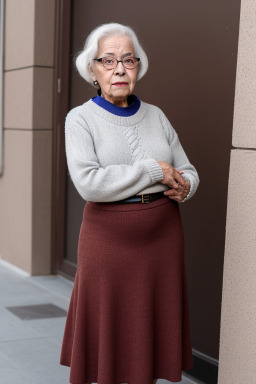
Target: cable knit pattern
[113,157]
[134,141]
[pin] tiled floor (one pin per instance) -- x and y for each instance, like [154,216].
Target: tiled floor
[30,347]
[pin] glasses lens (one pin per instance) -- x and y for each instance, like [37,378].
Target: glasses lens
[109,62]
[130,62]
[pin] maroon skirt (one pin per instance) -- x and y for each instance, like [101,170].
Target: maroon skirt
[128,317]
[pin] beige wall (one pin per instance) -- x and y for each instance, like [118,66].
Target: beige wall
[25,186]
[237,359]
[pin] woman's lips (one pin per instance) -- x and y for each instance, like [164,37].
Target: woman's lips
[121,84]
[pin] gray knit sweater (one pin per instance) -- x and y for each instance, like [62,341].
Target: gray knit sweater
[112,157]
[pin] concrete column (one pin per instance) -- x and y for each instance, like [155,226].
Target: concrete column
[25,187]
[237,358]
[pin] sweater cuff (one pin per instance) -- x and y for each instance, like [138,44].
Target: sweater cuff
[154,170]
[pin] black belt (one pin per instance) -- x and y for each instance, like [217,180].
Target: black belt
[144,199]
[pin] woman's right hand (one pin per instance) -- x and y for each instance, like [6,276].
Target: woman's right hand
[172,177]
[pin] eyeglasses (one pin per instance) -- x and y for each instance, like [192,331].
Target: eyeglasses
[110,62]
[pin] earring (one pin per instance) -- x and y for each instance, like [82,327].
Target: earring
[95,82]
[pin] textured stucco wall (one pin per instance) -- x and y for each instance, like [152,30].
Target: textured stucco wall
[244,132]
[237,358]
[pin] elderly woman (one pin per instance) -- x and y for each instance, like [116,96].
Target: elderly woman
[128,319]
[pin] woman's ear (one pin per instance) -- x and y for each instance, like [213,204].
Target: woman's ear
[91,72]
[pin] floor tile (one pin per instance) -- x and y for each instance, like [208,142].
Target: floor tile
[57,284]
[37,358]
[31,354]
[51,375]
[12,328]
[49,327]
[15,290]
[31,299]
[10,374]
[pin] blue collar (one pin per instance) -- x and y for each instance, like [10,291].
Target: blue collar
[133,105]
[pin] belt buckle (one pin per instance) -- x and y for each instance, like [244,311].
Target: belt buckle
[145,199]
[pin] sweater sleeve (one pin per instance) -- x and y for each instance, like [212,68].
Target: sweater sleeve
[180,159]
[95,183]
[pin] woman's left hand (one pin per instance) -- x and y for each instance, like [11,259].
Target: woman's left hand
[179,193]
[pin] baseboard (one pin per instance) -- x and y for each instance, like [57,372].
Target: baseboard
[13,267]
[205,369]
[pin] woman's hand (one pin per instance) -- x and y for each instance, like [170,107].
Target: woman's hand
[180,193]
[179,187]
[172,177]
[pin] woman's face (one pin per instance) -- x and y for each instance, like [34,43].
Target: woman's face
[118,46]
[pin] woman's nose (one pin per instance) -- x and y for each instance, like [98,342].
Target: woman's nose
[120,69]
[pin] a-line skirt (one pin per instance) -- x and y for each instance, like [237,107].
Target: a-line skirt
[128,317]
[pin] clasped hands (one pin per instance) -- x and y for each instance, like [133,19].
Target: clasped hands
[179,187]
